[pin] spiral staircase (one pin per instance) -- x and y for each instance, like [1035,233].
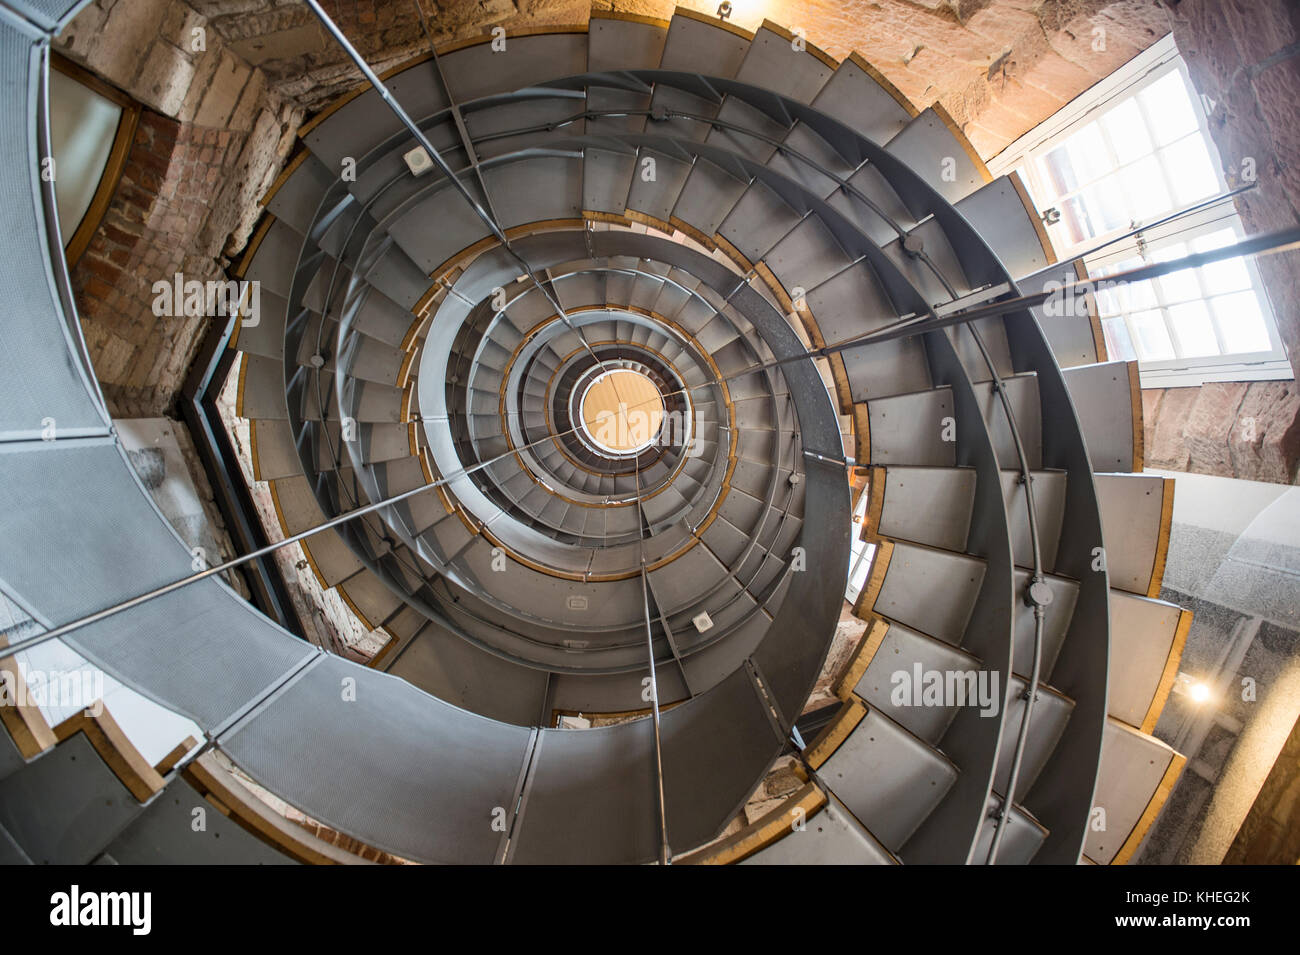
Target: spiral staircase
[714,211]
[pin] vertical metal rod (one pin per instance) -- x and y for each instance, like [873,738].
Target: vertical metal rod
[665,857]
[497,232]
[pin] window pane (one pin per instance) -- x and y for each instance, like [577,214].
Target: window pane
[1076,222]
[1241,323]
[1058,171]
[1106,208]
[1118,344]
[1144,182]
[1128,131]
[1190,169]
[1088,153]
[1177,286]
[1108,298]
[1136,296]
[1195,333]
[1153,342]
[1229,275]
[1169,108]
[1215,240]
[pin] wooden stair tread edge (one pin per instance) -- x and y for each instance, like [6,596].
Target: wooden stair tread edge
[231,796]
[763,832]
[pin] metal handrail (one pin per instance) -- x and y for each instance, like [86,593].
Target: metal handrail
[1027,479]
[97,616]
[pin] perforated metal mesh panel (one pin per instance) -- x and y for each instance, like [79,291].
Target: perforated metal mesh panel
[80,535]
[590,798]
[384,762]
[714,748]
[48,13]
[44,385]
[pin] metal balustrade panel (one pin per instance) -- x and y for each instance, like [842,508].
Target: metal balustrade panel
[372,756]
[715,747]
[49,387]
[438,661]
[590,798]
[82,535]
[49,14]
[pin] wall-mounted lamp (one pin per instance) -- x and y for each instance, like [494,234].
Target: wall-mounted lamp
[1195,690]
[724,9]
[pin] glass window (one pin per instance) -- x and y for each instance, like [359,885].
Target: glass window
[1120,161]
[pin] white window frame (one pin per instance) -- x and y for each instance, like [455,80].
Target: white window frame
[1147,67]
[861,553]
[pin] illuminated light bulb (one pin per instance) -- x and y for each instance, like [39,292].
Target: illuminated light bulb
[1199,692]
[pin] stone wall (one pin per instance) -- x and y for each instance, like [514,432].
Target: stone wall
[212,137]
[1248,430]
[998,66]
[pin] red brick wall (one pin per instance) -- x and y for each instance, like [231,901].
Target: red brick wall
[150,232]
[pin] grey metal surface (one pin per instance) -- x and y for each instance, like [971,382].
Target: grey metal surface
[913,429]
[900,652]
[437,660]
[11,853]
[1025,835]
[180,827]
[609,818]
[932,590]
[1132,766]
[889,779]
[1049,504]
[1131,507]
[168,648]
[930,506]
[853,97]
[810,605]
[1050,716]
[372,756]
[1061,797]
[65,807]
[829,837]
[973,738]
[925,145]
[714,747]
[10,758]
[1141,640]
[704,47]
[1103,399]
[619,44]
[774,61]
[50,388]
[49,14]
[998,215]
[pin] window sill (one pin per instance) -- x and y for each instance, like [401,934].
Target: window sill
[1190,376]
